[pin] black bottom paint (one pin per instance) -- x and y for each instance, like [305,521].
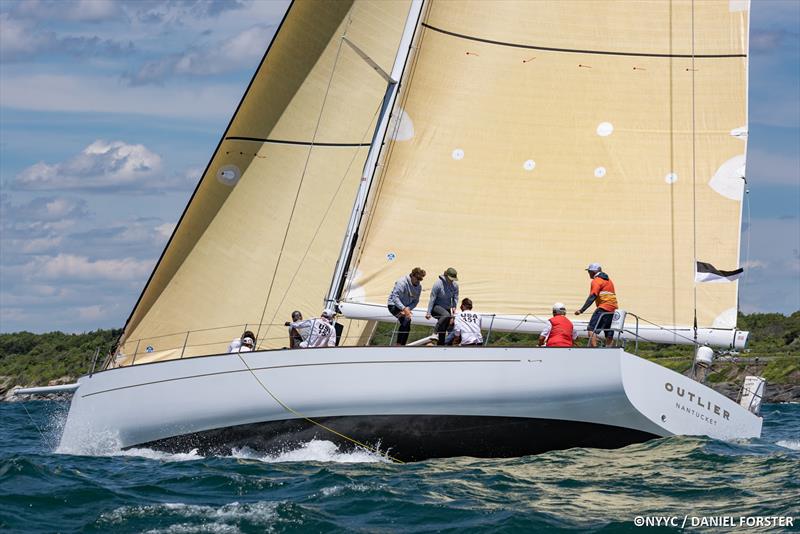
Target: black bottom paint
[412,437]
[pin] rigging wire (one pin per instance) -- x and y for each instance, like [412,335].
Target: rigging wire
[694,179]
[302,177]
[321,224]
[368,448]
[39,430]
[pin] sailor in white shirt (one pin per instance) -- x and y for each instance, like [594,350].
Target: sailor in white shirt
[467,327]
[299,329]
[323,333]
[246,343]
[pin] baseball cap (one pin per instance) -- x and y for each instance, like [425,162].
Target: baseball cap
[451,273]
[594,267]
[559,306]
[327,312]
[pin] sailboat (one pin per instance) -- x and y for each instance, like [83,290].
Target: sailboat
[516,141]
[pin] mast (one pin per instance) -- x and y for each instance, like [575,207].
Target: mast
[370,165]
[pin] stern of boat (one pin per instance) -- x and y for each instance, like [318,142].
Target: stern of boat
[682,406]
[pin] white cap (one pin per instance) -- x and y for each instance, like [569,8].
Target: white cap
[594,267]
[327,312]
[559,306]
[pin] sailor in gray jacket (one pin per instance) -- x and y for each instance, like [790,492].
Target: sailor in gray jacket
[443,302]
[402,300]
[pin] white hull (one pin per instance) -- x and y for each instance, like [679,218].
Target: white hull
[581,388]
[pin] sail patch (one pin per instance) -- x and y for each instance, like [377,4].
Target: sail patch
[401,129]
[671,178]
[599,172]
[604,129]
[728,181]
[529,165]
[229,174]
[458,154]
[705,272]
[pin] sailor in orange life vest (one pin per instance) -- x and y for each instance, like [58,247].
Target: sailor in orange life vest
[559,331]
[602,293]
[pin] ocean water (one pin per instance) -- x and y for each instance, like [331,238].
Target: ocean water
[318,488]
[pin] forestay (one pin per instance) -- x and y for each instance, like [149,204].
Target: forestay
[537,137]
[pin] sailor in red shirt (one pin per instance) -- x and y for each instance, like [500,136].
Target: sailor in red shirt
[559,331]
[601,293]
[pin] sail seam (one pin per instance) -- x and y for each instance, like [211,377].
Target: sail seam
[576,50]
[288,142]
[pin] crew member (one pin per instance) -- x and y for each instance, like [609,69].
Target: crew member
[322,332]
[299,329]
[467,326]
[402,300]
[601,292]
[559,331]
[245,343]
[443,302]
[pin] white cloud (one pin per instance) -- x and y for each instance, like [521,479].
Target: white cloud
[72,267]
[754,264]
[164,231]
[772,281]
[43,209]
[16,38]
[40,245]
[764,166]
[102,165]
[80,10]
[60,92]
[91,313]
[240,51]
[21,40]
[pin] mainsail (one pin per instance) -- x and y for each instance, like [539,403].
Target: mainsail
[533,138]
[262,232]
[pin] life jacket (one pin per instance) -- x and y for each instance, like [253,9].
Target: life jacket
[603,288]
[560,332]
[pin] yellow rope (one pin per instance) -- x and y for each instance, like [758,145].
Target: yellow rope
[288,408]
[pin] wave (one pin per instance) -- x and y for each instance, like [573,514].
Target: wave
[108,444]
[793,444]
[313,451]
[194,517]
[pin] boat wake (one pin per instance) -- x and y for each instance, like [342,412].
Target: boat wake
[314,451]
[311,451]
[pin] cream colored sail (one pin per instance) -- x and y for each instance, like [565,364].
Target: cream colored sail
[539,136]
[262,233]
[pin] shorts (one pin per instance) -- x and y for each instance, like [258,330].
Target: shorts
[601,320]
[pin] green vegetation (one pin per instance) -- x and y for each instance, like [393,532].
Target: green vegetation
[29,359]
[38,358]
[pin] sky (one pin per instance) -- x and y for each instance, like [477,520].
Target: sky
[110,110]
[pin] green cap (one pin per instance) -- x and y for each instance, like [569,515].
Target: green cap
[451,273]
